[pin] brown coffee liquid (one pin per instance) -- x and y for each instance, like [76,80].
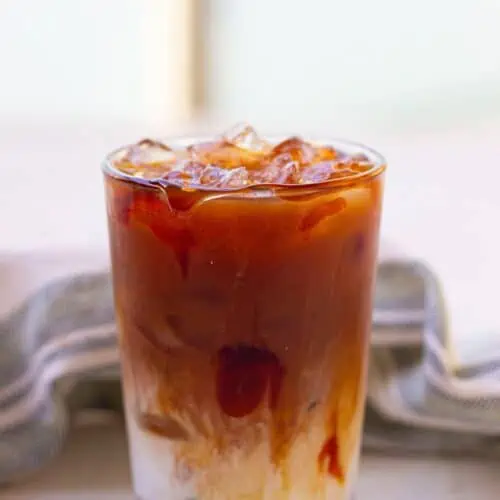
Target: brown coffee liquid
[243,277]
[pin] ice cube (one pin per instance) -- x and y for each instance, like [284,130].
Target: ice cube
[178,177]
[360,165]
[325,153]
[342,169]
[318,172]
[356,167]
[224,154]
[149,151]
[212,176]
[201,148]
[235,178]
[144,171]
[289,173]
[192,168]
[282,169]
[301,151]
[245,137]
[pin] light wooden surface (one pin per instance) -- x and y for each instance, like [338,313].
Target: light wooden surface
[94,466]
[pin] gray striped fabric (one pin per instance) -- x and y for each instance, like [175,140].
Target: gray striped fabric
[58,357]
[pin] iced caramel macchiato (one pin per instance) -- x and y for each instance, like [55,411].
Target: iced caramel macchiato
[243,272]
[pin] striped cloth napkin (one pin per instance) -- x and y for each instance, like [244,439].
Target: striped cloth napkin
[59,358]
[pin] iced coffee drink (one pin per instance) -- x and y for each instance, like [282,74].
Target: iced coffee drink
[243,271]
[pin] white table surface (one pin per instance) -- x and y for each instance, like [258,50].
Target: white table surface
[94,466]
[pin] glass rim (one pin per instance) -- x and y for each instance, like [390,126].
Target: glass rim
[379,166]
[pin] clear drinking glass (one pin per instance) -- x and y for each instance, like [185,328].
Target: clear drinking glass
[244,321]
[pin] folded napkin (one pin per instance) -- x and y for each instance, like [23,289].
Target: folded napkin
[59,358]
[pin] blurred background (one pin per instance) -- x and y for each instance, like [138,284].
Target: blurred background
[419,81]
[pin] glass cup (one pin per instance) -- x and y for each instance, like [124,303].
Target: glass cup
[244,321]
